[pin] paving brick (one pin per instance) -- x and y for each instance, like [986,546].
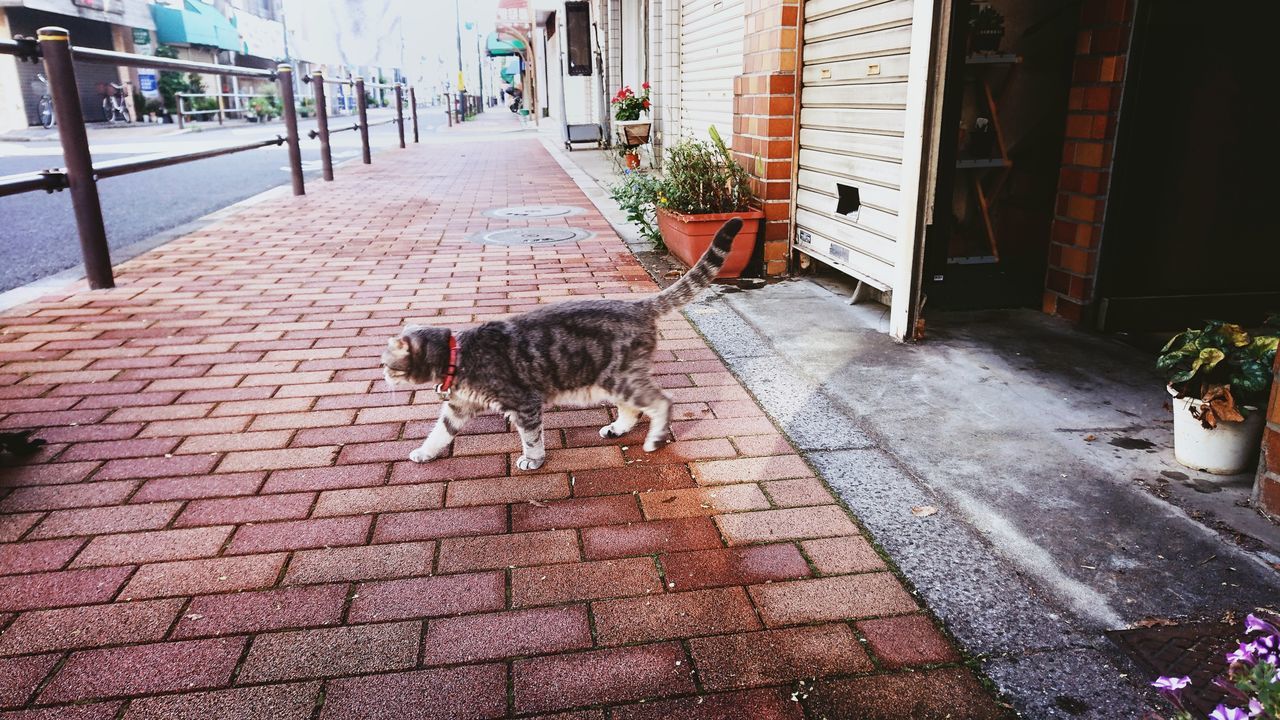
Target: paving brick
[36,556]
[575,512]
[928,695]
[907,640]
[346,435]
[146,547]
[831,598]
[704,429]
[252,612]
[377,452]
[331,652]
[492,636]
[389,498]
[552,584]
[774,657]
[839,555]
[57,497]
[694,502]
[16,525]
[277,702]
[631,479]
[798,492]
[601,676]
[733,566]
[89,626]
[682,452]
[110,519]
[59,589]
[193,488]
[300,535]
[195,577]
[232,511]
[110,449]
[326,478]
[372,562]
[193,426]
[762,704]
[753,469]
[96,711]
[429,597]
[451,468]
[789,524]
[502,490]
[83,433]
[47,474]
[474,692]
[261,407]
[571,459]
[650,537]
[20,676]
[434,524]
[144,670]
[499,551]
[232,442]
[290,458]
[673,615]
[309,419]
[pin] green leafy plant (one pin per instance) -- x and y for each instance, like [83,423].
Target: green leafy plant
[1223,365]
[702,177]
[637,195]
[171,83]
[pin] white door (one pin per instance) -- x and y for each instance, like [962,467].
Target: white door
[864,79]
[711,42]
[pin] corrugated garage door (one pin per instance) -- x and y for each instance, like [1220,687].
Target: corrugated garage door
[854,118]
[711,37]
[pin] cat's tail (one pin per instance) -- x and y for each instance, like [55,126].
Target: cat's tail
[699,277]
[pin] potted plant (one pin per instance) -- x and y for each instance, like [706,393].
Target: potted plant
[1220,376]
[628,109]
[986,28]
[702,188]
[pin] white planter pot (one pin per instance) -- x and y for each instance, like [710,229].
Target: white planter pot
[1227,449]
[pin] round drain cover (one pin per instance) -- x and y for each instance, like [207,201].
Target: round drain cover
[532,236]
[520,212]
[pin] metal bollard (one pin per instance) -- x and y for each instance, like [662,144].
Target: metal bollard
[55,46]
[448,108]
[400,112]
[322,125]
[413,110]
[364,121]
[285,74]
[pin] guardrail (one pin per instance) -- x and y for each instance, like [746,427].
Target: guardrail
[52,45]
[221,111]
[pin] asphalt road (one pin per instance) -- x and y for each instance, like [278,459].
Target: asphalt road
[37,230]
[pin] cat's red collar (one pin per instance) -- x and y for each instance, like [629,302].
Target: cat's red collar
[452,369]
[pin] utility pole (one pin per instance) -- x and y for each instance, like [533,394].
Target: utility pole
[480,69]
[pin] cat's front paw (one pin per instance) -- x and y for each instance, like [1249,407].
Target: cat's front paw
[421,455]
[607,432]
[527,463]
[652,445]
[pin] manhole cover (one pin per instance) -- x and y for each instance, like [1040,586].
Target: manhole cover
[532,236]
[1198,650]
[522,212]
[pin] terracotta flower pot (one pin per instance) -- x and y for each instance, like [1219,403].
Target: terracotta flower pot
[633,160]
[689,236]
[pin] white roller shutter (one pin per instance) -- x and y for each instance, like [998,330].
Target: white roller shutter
[711,42]
[863,79]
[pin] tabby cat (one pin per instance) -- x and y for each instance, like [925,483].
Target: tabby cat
[576,353]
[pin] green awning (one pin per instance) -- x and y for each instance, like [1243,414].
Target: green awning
[195,23]
[498,46]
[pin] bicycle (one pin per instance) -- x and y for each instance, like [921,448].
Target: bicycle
[115,105]
[45,105]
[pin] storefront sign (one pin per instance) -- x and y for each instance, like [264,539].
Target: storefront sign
[141,36]
[147,82]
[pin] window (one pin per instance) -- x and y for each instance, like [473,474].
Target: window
[577,32]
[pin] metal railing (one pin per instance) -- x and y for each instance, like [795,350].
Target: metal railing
[323,131]
[221,111]
[80,176]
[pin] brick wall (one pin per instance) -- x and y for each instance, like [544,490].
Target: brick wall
[1097,79]
[764,106]
[1266,491]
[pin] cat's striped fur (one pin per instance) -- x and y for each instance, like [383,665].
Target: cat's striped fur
[572,353]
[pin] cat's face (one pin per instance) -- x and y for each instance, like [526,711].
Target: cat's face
[414,356]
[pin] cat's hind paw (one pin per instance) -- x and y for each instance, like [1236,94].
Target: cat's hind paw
[420,455]
[528,463]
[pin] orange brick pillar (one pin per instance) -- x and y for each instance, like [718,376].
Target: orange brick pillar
[764,113]
[1102,46]
[1266,491]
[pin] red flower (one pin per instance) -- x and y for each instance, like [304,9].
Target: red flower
[645,104]
[645,85]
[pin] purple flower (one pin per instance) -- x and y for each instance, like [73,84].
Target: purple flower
[1222,712]
[1255,707]
[1246,654]
[1253,623]
[1171,683]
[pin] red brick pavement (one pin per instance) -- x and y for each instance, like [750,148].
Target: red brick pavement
[224,523]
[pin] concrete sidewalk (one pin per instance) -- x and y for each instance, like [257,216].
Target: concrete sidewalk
[224,523]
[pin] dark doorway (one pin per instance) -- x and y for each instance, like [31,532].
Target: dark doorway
[1187,236]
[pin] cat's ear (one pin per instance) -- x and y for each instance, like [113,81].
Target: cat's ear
[398,344]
